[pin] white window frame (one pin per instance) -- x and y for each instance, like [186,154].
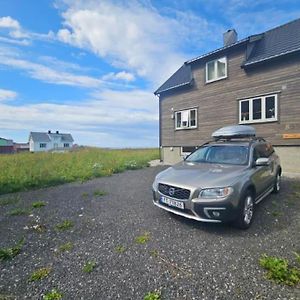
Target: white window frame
[263,109]
[189,119]
[216,69]
[184,153]
[66,145]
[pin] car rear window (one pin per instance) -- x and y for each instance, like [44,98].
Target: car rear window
[234,155]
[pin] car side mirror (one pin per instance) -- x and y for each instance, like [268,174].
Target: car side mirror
[263,161]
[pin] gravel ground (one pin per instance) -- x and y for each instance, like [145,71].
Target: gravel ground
[184,259]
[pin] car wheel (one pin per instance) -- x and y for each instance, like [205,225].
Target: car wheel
[277,183]
[246,212]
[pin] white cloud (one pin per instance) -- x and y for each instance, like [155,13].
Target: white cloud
[13,26]
[50,75]
[130,36]
[6,95]
[123,75]
[116,118]
[8,22]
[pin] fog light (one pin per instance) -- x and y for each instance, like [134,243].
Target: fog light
[216,214]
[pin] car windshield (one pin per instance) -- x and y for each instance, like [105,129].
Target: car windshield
[220,154]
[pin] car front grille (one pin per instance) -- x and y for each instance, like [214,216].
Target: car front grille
[174,191]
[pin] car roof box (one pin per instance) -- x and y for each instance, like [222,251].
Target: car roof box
[235,131]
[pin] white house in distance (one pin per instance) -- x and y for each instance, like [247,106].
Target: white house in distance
[47,141]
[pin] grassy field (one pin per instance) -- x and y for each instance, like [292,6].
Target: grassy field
[32,170]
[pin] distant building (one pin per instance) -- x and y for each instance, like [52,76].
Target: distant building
[6,146]
[49,141]
[21,147]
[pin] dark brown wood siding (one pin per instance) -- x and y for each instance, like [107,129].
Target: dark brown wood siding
[217,102]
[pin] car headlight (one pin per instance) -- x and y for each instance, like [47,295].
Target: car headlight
[215,193]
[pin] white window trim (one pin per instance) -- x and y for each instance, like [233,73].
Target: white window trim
[183,153]
[187,127]
[216,70]
[263,110]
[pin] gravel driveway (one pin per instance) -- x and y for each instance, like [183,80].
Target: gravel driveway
[182,258]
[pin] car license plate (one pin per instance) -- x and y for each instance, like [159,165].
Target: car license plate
[172,202]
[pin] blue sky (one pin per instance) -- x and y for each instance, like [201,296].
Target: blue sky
[90,67]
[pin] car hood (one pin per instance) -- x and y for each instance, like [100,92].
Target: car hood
[201,175]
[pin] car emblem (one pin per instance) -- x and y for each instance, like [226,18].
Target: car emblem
[171,191]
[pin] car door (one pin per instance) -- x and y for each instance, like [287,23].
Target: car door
[262,176]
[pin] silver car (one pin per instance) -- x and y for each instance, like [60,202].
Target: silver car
[222,180]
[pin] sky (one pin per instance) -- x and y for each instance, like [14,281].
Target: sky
[90,67]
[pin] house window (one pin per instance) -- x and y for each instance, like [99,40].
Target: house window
[186,119]
[216,69]
[187,150]
[258,109]
[43,145]
[66,145]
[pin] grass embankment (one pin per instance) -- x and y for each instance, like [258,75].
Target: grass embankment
[33,170]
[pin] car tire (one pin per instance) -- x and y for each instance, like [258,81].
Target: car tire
[246,211]
[277,183]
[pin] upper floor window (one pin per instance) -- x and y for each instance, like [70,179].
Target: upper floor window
[258,109]
[185,119]
[216,69]
[43,145]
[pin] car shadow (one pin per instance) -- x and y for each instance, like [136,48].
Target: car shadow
[275,213]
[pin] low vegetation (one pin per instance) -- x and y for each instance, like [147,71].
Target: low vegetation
[280,271]
[89,266]
[18,212]
[9,253]
[155,295]
[9,200]
[84,195]
[38,204]
[99,193]
[66,247]
[53,295]
[25,171]
[40,274]
[120,249]
[143,239]
[64,225]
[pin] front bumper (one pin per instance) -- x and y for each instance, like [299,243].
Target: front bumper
[216,211]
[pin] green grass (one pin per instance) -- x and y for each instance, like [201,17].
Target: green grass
[64,225]
[9,253]
[84,195]
[66,247]
[25,171]
[18,212]
[53,295]
[155,295]
[38,204]
[89,267]
[9,200]
[279,270]
[40,274]
[120,249]
[99,193]
[143,239]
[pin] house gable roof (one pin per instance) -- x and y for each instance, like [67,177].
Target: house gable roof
[273,43]
[45,137]
[182,77]
[276,42]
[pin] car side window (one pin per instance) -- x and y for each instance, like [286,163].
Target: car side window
[255,154]
[263,150]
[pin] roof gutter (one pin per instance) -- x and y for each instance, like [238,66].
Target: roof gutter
[173,87]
